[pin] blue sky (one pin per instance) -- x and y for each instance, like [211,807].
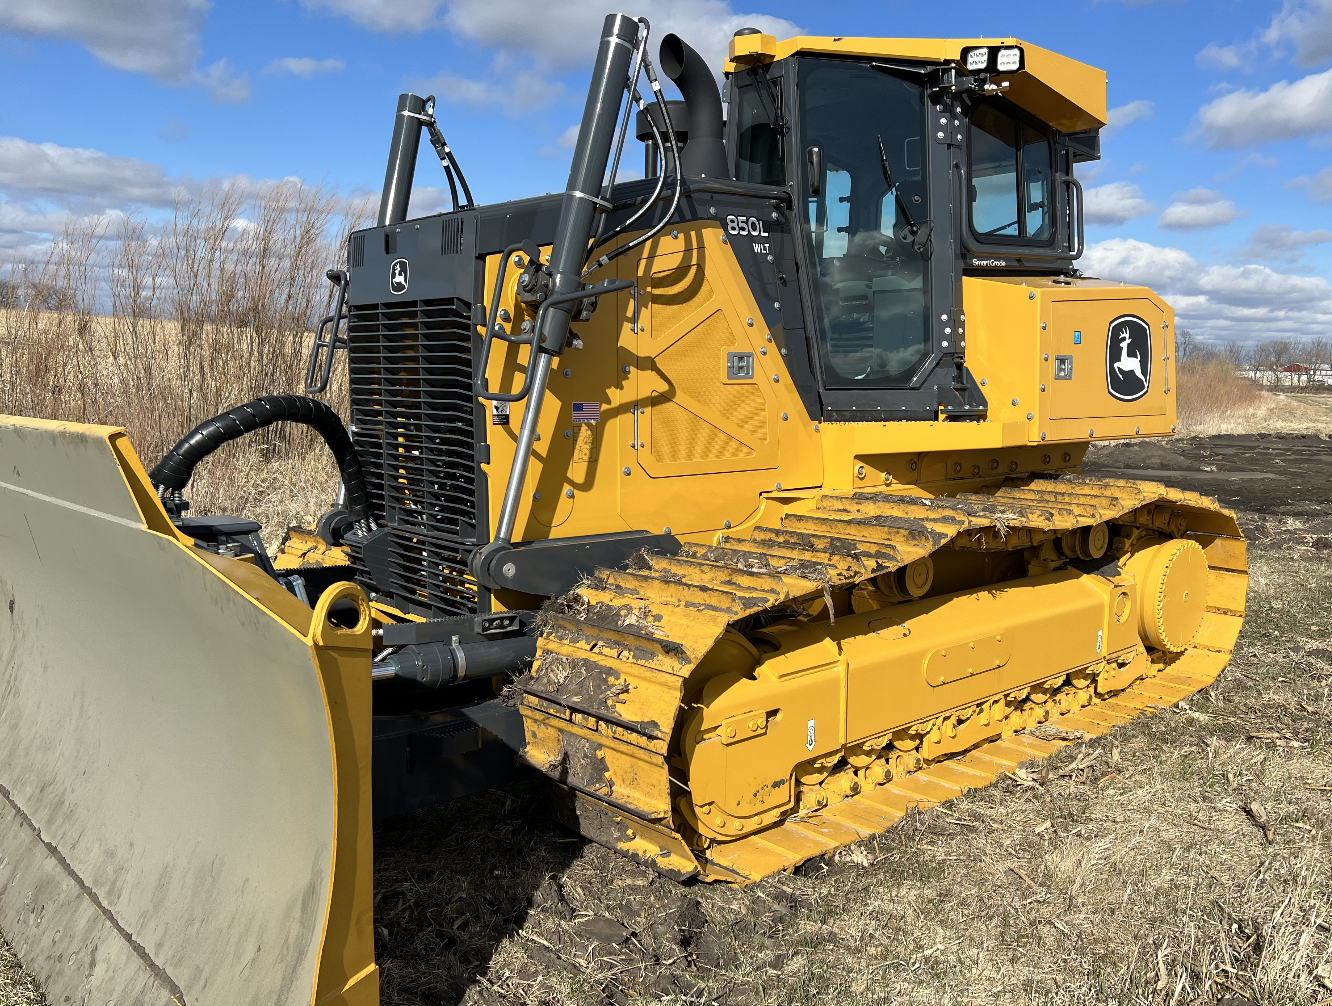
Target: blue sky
[1215,186]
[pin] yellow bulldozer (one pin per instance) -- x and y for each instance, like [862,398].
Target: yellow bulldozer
[743,501]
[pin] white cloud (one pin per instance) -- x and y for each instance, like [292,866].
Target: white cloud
[305,67]
[384,15]
[1308,25]
[1284,111]
[1319,187]
[19,226]
[1126,115]
[224,86]
[570,136]
[1199,210]
[1219,301]
[514,93]
[158,37]
[565,40]
[1305,25]
[1282,243]
[1227,57]
[78,177]
[1116,203]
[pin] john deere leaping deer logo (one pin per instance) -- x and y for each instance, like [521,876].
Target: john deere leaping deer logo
[1128,358]
[399,273]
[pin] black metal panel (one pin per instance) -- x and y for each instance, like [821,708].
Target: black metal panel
[421,762]
[410,372]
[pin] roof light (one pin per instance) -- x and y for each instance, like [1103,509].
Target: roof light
[978,58]
[1009,60]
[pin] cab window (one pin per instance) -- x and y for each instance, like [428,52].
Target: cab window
[759,156]
[1011,187]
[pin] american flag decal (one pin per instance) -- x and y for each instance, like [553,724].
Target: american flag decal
[587,412]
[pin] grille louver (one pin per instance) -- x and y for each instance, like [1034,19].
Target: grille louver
[451,241]
[410,368]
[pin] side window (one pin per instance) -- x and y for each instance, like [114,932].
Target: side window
[1036,184]
[759,155]
[994,159]
[1011,178]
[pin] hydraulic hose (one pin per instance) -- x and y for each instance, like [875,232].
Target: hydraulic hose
[173,472]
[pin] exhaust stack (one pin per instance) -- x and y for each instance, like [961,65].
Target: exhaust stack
[705,156]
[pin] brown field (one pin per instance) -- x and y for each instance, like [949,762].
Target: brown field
[1184,858]
[1213,399]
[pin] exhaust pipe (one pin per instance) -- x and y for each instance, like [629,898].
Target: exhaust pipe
[705,156]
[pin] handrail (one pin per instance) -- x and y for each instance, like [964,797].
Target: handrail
[596,290]
[479,375]
[340,279]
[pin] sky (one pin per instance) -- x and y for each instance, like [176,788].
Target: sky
[1214,188]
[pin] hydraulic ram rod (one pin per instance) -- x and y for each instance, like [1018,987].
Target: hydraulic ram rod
[596,133]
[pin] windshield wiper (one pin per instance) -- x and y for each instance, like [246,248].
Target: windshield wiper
[920,232]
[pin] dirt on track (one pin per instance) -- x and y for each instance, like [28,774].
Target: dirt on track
[1184,858]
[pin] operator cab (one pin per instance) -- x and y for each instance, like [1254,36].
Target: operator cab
[911,162]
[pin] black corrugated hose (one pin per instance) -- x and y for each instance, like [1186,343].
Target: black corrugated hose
[174,470]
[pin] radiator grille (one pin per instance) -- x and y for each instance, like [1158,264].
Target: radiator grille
[410,369]
[356,253]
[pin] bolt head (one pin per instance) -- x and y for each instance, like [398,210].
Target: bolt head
[1031,295]
[783,417]
[625,368]
[626,469]
[568,494]
[509,569]
[568,372]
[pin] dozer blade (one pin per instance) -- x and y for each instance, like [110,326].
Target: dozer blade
[184,750]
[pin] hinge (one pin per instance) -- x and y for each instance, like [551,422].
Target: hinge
[946,119]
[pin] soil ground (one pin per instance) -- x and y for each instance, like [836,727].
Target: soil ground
[1184,858]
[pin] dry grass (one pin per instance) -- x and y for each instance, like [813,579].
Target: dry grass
[1136,870]
[212,309]
[1214,399]
[1132,870]
[17,988]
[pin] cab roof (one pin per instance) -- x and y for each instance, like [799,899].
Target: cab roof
[1066,94]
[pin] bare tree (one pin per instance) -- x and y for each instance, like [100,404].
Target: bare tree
[1280,355]
[1319,354]
[1240,354]
[1186,346]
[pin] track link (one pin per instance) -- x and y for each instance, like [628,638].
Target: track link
[606,694]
